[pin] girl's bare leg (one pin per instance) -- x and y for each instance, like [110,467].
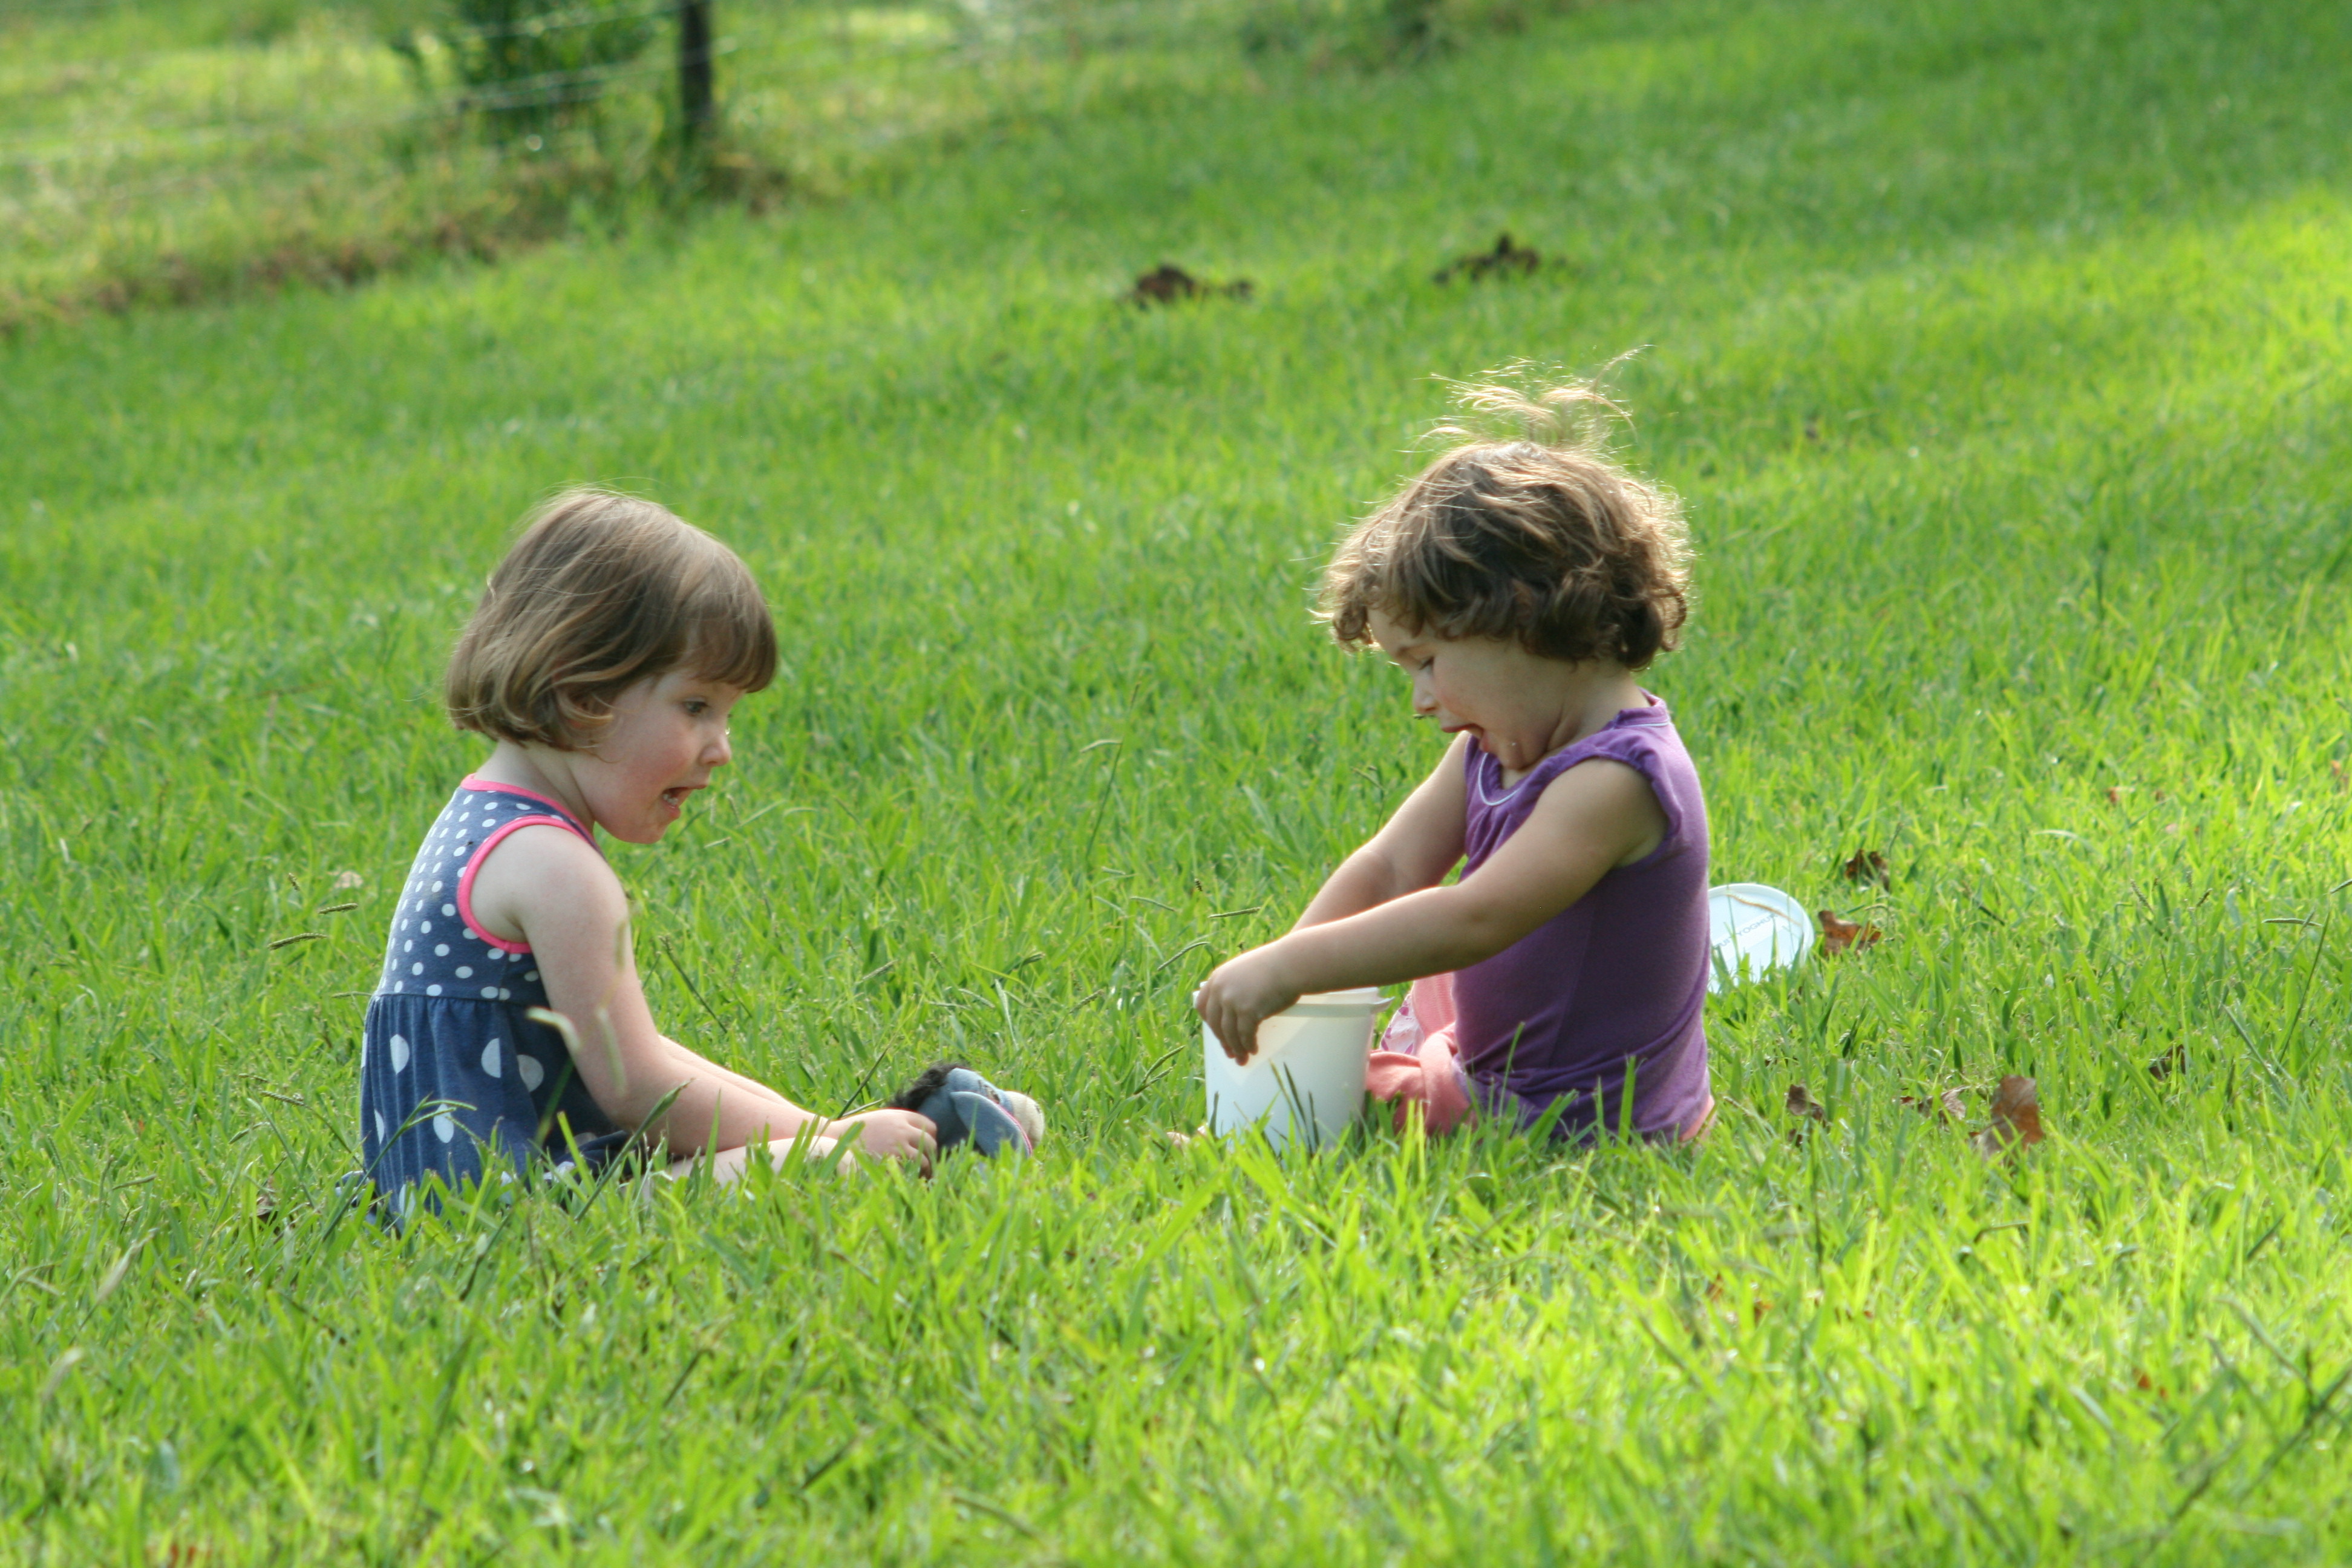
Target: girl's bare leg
[727,1165]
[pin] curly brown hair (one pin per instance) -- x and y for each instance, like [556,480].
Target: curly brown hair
[602,591]
[1545,540]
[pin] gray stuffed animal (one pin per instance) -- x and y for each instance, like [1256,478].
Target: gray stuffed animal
[966,1108]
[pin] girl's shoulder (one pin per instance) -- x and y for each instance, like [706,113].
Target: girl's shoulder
[1639,735]
[495,853]
[1643,739]
[1646,741]
[531,866]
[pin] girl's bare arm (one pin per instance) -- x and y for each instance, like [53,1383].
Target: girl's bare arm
[548,887]
[1592,818]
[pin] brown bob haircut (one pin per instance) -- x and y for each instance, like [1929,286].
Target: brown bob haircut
[1545,541]
[602,591]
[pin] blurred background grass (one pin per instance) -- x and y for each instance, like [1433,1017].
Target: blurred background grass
[166,151]
[1999,354]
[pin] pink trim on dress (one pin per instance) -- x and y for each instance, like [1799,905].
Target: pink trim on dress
[474,864]
[477,782]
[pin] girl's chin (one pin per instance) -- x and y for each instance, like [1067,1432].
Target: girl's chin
[645,830]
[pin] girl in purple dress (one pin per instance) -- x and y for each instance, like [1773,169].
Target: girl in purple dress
[1521,585]
[507,1029]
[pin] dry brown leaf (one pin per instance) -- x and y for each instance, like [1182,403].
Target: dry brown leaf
[1869,866]
[2016,1118]
[2170,1062]
[267,1211]
[1841,936]
[1756,1309]
[1802,1105]
[1944,1106]
[2343,780]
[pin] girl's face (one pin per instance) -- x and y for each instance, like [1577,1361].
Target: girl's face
[667,737]
[1511,701]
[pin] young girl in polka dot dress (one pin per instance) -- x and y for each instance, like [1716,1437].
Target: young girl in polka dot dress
[603,661]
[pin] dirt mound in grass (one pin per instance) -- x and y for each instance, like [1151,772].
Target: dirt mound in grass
[1507,259]
[1168,284]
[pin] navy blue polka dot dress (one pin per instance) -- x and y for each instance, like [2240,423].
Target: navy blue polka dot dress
[455,1080]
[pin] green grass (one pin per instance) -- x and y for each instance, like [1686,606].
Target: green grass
[187,150]
[2000,352]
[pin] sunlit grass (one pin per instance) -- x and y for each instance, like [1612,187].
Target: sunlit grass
[192,150]
[2006,396]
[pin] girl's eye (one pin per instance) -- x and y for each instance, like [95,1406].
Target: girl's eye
[697,707]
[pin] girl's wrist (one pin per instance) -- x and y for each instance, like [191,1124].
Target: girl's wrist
[1292,963]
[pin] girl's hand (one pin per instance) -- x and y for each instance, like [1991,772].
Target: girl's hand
[1243,993]
[890,1135]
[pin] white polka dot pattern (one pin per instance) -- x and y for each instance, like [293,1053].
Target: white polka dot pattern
[437,1095]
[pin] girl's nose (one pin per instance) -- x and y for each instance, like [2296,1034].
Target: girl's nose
[719,753]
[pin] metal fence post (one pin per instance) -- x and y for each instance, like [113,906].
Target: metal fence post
[698,113]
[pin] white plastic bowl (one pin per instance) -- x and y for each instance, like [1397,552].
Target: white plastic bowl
[1753,930]
[1307,1080]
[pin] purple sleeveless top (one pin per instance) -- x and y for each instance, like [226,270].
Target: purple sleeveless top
[1618,979]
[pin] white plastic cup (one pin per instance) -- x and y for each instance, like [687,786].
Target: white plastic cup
[1307,1080]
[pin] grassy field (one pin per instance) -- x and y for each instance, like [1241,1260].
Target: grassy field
[1999,351]
[171,151]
